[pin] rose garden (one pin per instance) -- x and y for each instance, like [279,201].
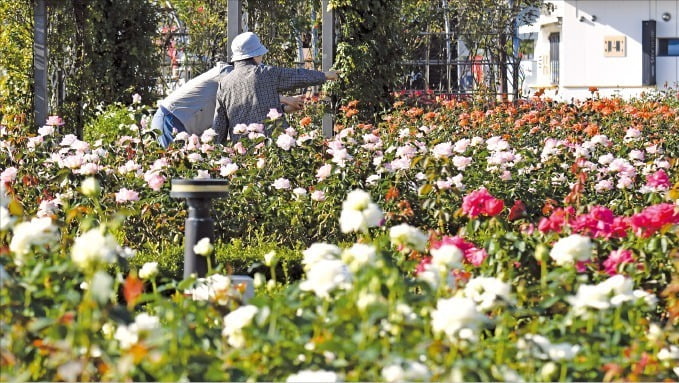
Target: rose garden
[413,223]
[450,241]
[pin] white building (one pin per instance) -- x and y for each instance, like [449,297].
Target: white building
[620,47]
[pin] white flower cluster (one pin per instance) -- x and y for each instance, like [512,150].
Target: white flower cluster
[6,219]
[359,212]
[571,249]
[406,371]
[311,376]
[36,232]
[214,288]
[540,347]
[128,335]
[487,291]
[610,293]
[235,321]
[457,318]
[408,237]
[358,256]
[94,247]
[325,272]
[443,260]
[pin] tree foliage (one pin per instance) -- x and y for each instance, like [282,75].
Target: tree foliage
[104,51]
[16,44]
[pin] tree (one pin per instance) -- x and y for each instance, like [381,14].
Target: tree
[488,27]
[16,41]
[101,52]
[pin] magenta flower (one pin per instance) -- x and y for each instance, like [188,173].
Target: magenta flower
[658,180]
[556,220]
[654,218]
[615,259]
[480,202]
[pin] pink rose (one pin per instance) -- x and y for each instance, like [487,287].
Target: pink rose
[126,195]
[615,259]
[8,175]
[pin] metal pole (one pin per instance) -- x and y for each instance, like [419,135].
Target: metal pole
[515,51]
[234,13]
[40,62]
[199,224]
[328,53]
[446,20]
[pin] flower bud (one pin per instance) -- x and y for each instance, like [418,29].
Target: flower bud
[90,187]
[541,253]
[259,280]
[203,247]
[547,371]
[270,258]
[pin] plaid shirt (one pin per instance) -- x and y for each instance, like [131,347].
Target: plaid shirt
[250,91]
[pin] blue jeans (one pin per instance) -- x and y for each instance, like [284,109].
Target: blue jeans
[167,125]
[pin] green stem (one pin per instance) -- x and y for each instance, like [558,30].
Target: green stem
[564,370]
[543,274]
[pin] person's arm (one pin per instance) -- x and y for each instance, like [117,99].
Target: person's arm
[288,78]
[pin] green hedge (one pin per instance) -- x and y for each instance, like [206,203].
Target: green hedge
[234,258]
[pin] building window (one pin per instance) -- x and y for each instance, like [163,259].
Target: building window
[554,39]
[668,47]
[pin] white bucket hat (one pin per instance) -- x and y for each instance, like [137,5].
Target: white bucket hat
[245,46]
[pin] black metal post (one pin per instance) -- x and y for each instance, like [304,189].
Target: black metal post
[199,224]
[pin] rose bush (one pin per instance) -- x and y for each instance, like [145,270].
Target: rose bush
[533,241]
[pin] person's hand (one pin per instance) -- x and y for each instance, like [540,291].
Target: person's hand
[292,103]
[331,75]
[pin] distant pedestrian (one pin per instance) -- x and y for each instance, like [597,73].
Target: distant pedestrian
[249,93]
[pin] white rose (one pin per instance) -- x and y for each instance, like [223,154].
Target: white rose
[326,275]
[270,258]
[454,314]
[571,249]
[309,376]
[127,336]
[203,247]
[408,236]
[393,373]
[358,256]
[319,251]
[235,321]
[146,322]
[447,256]
[101,286]
[356,200]
[94,247]
[38,232]
[148,270]
[486,291]
[90,187]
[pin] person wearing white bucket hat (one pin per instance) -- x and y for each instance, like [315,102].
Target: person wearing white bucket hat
[251,91]
[191,107]
[247,45]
